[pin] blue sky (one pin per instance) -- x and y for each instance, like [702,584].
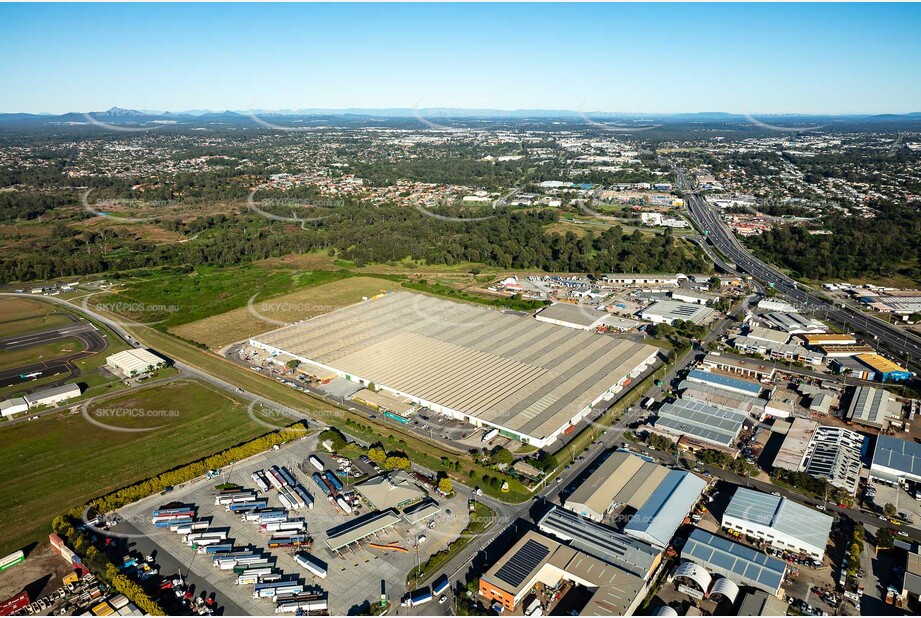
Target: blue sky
[776,58]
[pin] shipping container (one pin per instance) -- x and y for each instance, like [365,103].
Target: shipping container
[11,560]
[243,568]
[343,504]
[305,496]
[14,604]
[420,597]
[246,506]
[275,478]
[297,540]
[336,483]
[261,483]
[316,463]
[441,584]
[286,476]
[265,518]
[312,564]
[292,607]
[320,482]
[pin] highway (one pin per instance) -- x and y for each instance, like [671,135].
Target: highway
[904,345]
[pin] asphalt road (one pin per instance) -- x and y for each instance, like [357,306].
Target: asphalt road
[904,345]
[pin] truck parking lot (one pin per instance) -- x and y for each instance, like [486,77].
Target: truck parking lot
[359,575]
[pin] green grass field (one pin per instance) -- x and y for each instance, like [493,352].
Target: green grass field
[172,298]
[61,461]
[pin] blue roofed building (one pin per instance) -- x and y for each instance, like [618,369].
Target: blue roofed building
[728,383]
[740,564]
[663,512]
[896,460]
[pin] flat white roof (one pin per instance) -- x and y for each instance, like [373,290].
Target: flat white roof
[131,361]
[799,522]
[672,310]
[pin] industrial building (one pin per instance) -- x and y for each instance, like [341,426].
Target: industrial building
[12,406]
[538,559]
[692,297]
[572,316]
[668,311]
[707,424]
[391,490]
[885,369]
[662,498]
[744,368]
[895,461]
[853,368]
[795,324]
[725,382]
[630,280]
[778,351]
[742,565]
[844,351]
[778,522]
[135,362]
[772,304]
[631,555]
[768,334]
[530,380]
[760,603]
[814,341]
[825,452]
[52,396]
[873,407]
[714,396]
[359,529]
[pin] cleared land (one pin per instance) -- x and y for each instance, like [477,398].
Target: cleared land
[61,461]
[238,324]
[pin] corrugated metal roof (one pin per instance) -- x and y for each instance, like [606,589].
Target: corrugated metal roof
[659,518]
[802,523]
[719,380]
[898,455]
[600,541]
[518,373]
[739,563]
[701,420]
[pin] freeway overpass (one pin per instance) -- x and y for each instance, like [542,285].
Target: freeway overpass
[904,345]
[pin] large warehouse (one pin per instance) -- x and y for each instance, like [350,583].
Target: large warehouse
[662,498]
[781,523]
[873,407]
[135,362]
[528,379]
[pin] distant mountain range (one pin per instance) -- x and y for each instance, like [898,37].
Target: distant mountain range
[130,117]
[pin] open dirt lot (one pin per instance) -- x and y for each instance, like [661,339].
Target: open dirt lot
[226,328]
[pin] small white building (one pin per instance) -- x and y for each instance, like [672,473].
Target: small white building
[13,406]
[132,363]
[52,396]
